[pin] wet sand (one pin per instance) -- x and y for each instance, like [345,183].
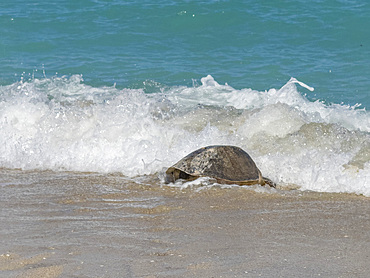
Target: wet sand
[90,225]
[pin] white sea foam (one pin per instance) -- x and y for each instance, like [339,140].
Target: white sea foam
[63,124]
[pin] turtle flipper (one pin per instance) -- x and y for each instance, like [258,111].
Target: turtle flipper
[269,182]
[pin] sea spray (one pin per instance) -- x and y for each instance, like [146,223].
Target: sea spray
[61,123]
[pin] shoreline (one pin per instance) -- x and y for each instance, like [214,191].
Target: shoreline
[106,226]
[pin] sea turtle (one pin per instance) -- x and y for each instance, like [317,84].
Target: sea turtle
[226,164]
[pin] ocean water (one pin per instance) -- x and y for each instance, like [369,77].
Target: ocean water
[132,87]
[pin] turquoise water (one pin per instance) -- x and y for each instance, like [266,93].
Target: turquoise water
[247,44]
[132,87]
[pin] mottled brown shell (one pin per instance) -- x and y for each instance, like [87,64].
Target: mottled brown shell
[226,164]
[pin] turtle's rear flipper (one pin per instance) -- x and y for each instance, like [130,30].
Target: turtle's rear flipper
[269,182]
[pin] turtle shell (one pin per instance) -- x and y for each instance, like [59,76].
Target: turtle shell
[226,164]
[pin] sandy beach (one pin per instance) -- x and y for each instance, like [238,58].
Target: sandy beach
[95,225]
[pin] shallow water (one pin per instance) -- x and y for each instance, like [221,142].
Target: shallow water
[66,224]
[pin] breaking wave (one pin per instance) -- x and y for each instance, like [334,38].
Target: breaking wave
[61,123]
